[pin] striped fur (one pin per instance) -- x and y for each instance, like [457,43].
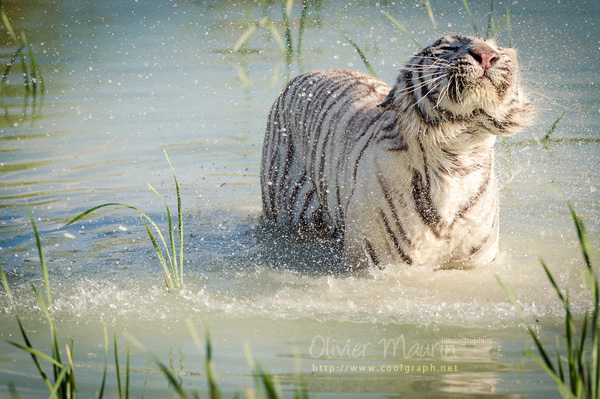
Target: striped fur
[403,174]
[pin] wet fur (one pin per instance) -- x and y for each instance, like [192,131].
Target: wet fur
[402,174]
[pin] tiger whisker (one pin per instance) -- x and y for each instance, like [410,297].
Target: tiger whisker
[427,94]
[418,85]
[443,93]
[441,63]
[430,66]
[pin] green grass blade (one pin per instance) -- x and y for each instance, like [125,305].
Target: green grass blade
[179,219]
[553,282]
[127,373]
[43,306]
[362,56]
[402,28]
[542,351]
[12,390]
[213,388]
[144,216]
[26,83]
[553,127]
[510,295]
[430,13]
[22,329]
[497,27]
[172,260]
[32,65]
[84,214]
[58,383]
[276,35]
[490,25]
[584,240]
[595,365]
[562,386]
[287,12]
[163,368]
[510,41]
[72,384]
[244,38]
[117,366]
[165,269]
[103,384]
[466,5]
[9,66]
[301,28]
[37,353]
[180,229]
[53,336]
[561,371]
[7,289]
[581,350]
[215,393]
[7,24]
[42,261]
[270,384]
[252,363]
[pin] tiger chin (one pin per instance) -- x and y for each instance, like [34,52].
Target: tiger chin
[402,174]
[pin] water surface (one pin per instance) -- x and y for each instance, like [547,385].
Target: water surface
[127,80]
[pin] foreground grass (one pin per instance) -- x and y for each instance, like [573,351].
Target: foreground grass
[173,270]
[576,375]
[61,379]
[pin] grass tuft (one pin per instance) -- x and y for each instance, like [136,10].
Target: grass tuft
[576,376]
[172,270]
[63,384]
[33,81]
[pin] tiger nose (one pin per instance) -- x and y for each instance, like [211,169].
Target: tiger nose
[484,58]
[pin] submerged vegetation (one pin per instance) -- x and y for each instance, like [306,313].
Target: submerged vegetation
[287,45]
[173,270]
[61,383]
[33,81]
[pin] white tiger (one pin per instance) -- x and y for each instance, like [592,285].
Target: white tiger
[404,175]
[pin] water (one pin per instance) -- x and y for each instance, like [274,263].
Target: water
[127,80]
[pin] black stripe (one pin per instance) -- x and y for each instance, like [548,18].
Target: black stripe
[388,197]
[317,128]
[327,146]
[329,84]
[362,151]
[474,198]
[424,205]
[307,200]
[371,252]
[274,147]
[476,249]
[388,229]
[297,187]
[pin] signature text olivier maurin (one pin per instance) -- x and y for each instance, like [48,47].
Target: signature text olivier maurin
[325,347]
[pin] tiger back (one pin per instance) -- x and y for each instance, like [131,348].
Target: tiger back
[316,132]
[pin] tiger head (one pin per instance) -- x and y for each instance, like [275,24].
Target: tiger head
[458,76]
